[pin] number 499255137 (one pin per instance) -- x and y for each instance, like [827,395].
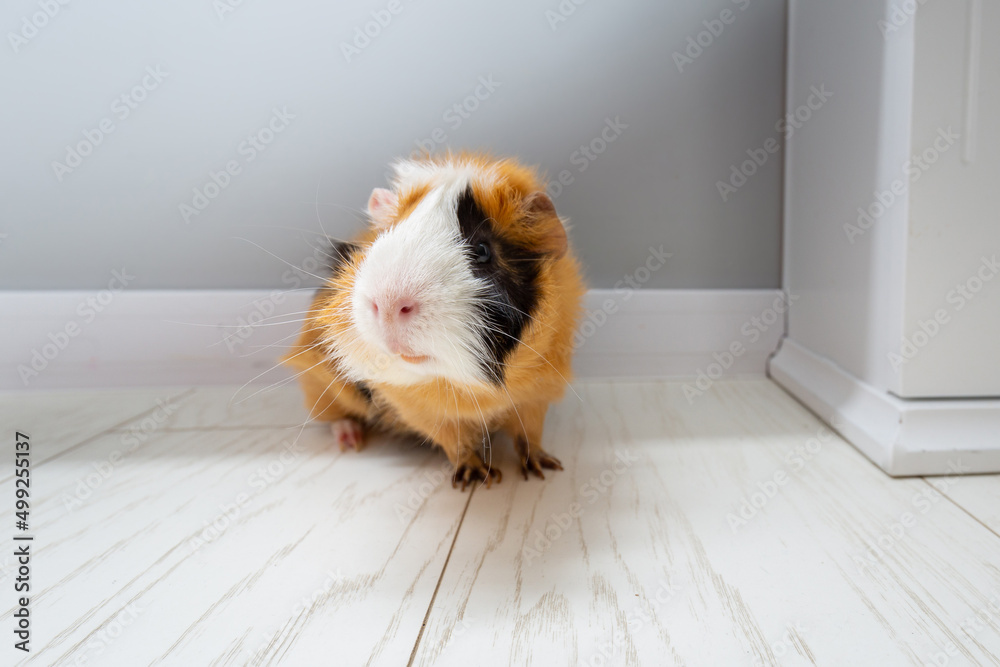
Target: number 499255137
[22,484]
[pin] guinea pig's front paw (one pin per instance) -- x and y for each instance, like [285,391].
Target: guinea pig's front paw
[472,470]
[348,434]
[534,459]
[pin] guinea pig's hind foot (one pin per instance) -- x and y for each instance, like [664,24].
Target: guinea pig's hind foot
[533,460]
[472,470]
[348,434]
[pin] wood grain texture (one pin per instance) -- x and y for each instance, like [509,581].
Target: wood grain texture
[653,572]
[237,547]
[60,420]
[251,406]
[979,495]
[199,543]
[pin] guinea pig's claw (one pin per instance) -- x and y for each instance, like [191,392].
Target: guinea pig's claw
[535,461]
[474,471]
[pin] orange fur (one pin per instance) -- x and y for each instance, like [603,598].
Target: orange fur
[455,416]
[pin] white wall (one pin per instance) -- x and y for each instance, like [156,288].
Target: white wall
[655,184]
[952,301]
[849,285]
[876,240]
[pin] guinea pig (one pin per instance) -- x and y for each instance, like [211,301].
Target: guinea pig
[451,317]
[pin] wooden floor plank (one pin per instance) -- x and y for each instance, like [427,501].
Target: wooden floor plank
[660,567]
[236,547]
[59,420]
[979,495]
[253,406]
[147,553]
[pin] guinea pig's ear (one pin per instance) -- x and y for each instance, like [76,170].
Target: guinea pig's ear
[382,207]
[541,213]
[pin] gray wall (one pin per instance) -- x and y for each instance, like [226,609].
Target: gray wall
[654,185]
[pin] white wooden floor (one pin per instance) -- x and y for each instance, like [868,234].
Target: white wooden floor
[175,528]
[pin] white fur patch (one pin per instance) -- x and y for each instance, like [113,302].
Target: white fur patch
[422,257]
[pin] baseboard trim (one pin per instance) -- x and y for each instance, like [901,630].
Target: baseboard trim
[197,337]
[903,437]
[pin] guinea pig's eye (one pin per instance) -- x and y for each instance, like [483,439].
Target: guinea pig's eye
[483,253]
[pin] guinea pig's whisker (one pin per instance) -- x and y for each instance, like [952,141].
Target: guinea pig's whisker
[310,418]
[295,289]
[361,215]
[298,312]
[264,323]
[341,257]
[485,298]
[482,222]
[333,400]
[279,383]
[319,218]
[253,326]
[504,333]
[299,353]
[351,209]
[291,289]
[514,407]
[280,342]
[299,229]
[213,326]
[280,259]
[475,352]
[486,440]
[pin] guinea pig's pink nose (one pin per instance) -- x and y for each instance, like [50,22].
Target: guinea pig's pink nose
[398,309]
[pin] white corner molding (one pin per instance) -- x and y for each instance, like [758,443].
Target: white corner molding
[72,339]
[903,437]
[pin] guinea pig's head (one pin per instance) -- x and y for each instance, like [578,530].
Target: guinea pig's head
[447,279]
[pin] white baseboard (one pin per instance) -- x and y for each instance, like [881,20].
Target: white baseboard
[146,338]
[903,437]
